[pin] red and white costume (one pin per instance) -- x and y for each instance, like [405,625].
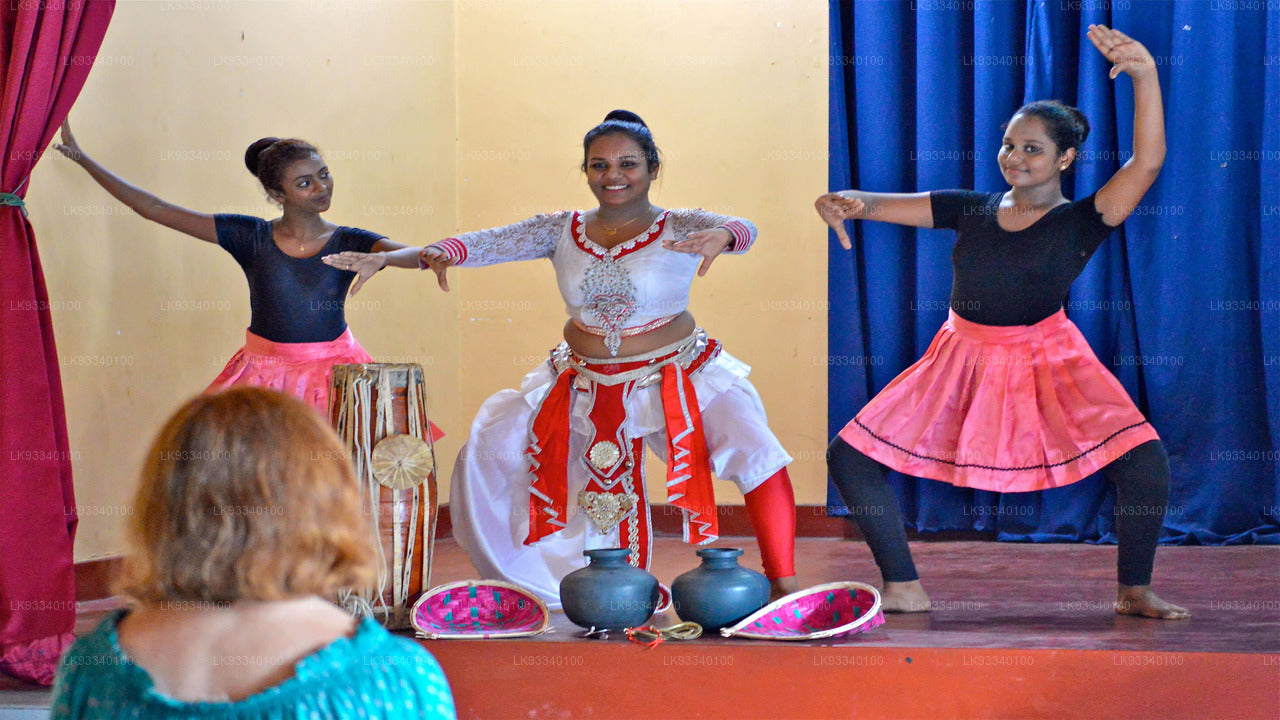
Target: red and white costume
[556,467]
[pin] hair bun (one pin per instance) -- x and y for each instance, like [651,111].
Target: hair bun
[1081,123]
[255,150]
[625,116]
[1066,126]
[629,124]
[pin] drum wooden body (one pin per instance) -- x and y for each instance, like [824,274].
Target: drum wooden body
[373,407]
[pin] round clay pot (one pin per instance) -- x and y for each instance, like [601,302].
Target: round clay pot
[719,592]
[609,593]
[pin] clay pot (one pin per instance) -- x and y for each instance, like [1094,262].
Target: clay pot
[609,593]
[719,592]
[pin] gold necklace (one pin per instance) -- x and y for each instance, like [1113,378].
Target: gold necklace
[613,231]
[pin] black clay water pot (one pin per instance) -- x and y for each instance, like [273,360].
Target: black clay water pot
[609,593]
[719,592]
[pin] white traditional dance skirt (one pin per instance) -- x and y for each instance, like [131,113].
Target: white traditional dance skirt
[489,496]
[1008,409]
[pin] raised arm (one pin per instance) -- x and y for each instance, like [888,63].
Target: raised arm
[912,209]
[197,225]
[1122,193]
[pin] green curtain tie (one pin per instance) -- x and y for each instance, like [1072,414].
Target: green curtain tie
[13,201]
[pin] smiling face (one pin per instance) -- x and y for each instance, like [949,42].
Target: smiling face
[1028,156]
[617,172]
[306,185]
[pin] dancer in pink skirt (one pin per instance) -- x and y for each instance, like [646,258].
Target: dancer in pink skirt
[1009,397]
[298,330]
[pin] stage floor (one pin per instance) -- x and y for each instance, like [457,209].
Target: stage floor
[1017,631]
[1016,595]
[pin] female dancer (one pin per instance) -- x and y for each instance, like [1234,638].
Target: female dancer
[298,330]
[1009,397]
[634,369]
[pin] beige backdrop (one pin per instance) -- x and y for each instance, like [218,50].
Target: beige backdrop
[435,117]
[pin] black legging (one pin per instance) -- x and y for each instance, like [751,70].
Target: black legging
[1141,477]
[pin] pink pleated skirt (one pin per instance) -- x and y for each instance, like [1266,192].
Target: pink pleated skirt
[1009,409]
[300,369]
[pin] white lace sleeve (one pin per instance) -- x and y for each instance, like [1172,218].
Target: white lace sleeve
[526,240]
[687,221]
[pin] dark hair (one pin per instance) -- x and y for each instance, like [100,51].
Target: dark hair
[1067,126]
[268,157]
[623,122]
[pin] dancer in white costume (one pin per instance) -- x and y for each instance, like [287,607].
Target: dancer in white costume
[557,467]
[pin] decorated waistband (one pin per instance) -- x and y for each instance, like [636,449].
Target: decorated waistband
[647,367]
[628,331]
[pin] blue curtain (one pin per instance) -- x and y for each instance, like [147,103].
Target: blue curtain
[1182,302]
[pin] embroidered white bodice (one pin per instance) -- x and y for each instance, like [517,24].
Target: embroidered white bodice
[623,290]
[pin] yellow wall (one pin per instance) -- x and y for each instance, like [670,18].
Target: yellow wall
[144,316]
[435,117]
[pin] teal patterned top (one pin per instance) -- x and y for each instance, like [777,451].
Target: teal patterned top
[372,674]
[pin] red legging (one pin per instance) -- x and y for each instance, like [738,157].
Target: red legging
[772,509]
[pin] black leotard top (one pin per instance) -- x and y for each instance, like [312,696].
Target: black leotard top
[293,300]
[1014,278]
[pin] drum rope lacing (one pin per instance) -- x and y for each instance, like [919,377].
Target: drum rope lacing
[359,437]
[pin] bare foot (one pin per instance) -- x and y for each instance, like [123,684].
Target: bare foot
[778,587]
[1139,600]
[904,597]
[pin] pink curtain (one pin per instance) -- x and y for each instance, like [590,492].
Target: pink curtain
[47,48]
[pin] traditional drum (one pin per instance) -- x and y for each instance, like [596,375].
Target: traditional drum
[380,412]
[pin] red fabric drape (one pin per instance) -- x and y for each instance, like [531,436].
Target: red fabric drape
[47,48]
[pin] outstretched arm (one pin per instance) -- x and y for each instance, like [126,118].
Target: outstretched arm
[1122,193]
[198,225]
[912,209]
[366,265]
[525,240]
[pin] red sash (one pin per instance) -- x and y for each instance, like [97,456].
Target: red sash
[615,491]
